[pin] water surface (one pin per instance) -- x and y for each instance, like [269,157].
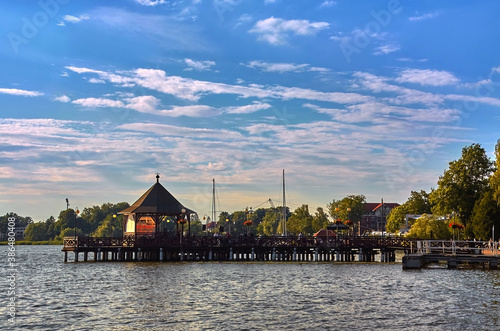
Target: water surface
[53,295]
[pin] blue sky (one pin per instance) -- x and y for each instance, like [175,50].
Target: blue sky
[349,97]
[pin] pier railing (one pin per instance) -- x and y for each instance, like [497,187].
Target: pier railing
[455,247]
[161,240]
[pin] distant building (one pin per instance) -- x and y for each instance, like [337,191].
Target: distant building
[375,217]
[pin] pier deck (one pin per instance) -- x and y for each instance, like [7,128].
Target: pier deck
[251,248]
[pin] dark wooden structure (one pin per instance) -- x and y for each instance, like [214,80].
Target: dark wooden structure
[162,247]
[157,204]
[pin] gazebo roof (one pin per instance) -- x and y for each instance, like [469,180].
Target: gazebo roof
[157,200]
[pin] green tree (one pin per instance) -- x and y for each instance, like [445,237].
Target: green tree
[69,232]
[486,215]
[36,232]
[111,226]
[351,208]
[495,178]
[300,221]
[320,220]
[462,185]
[430,227]
[418,203]
[269,224]
[396,218]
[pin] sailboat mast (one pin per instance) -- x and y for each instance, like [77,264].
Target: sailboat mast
[213,201]
[284,206]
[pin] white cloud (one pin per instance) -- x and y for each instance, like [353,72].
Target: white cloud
[275,30]
[75,19]
[427,77]
[24,93]
[328,4]
[193,90]
[423,17]
[98,102]
[63,98]
[199,65]
[247,109]
[191,111]
[278,67]
[151,2]
[386,49]
[96,81]
[143,104]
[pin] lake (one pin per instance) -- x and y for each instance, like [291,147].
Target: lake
[53,295]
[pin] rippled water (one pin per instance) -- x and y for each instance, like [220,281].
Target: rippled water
[52,295]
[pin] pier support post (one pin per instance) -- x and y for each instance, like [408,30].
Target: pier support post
[65,256]
[316,254]
[161,254]
[76,256]
[231,254]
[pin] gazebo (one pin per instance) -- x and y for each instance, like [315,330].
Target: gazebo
[155,205]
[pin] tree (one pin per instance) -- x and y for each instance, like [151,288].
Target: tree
[430,227]
[486,214]
[112,226]
[418,203]
[300,221]
[350,208]
[36,232]
[495,178]
[269,224]
[462,184]
[396,218]
[320,220]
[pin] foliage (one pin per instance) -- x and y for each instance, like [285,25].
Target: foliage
[486,214]
[320,220]
[462,184]
[41,230]
[396,218]
[269,224]
[417,204]
[300,221]
[111,226]
[495,178]
[70,232]
[430,227]
[350,208]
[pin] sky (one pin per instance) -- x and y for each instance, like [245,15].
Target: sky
[348,97]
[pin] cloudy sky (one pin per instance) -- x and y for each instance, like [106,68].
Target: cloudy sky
[349,97]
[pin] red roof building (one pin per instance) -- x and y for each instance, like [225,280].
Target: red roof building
[375,217]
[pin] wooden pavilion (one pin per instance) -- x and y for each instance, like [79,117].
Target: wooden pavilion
[154,206]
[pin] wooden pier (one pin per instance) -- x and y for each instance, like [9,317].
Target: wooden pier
[453,254]
[251,248]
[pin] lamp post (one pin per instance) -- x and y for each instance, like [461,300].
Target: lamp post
[228,226]
[111,227]
[76,215]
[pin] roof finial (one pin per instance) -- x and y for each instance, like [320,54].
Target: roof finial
[157,177]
